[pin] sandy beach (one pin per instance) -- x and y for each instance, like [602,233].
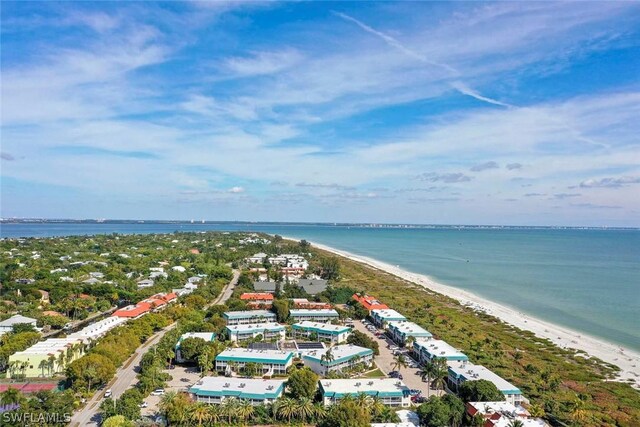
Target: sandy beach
[627,360]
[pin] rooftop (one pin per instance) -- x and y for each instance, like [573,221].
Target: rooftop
[321,327]
[50,346]
[340,353]
[311,312]
[470,372]
[241,388]
[409,329]
[249,314]
[270,326]
[387,313]
[439,348]
[502,407]
[371,386]
[256,296]
[370,303]
[16,320]
[258,356]
[313,286]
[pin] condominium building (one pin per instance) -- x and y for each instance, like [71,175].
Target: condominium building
[313,315]
[401,331]
[381,317]
[271,361]
[391,391]
[461,371]
[428,350]
[215,390]
[248,317]
[337,358]
[321,331]
[268,331]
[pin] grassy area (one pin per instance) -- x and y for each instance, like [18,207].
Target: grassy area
[569,387]
[376,373]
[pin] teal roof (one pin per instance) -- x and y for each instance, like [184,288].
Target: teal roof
[335,331]
[318,357]
[248,314]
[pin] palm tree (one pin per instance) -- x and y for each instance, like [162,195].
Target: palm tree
[167,402]
[362,400]
[51,363]
[306,409]
[426,371]
[287,408]
[23,369]
[399,362]
[319,411]
[215,414]
[14,365]
[376,405]
[60,361]
[244,409]
[440,372]
[515,423]
[10,396]
[230,408]
[327,356]
[43,364]
[199,412]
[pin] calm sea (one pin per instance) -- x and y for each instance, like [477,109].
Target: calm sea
[588,280]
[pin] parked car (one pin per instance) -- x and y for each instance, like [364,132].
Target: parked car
[108,393]
[418,399]
[157,392]
[144,404]
[414,392]
[394,374]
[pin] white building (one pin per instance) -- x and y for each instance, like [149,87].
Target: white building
[248,317]
[461,371]
[7,324]
[337,358]
[179,268]
[313,315]
[272,362]
[322,331]
[401,331]
[381,317]
[257,258]
[428,350]
[215,390]
[268,331]
[97,329]
[145,283]
[391,391]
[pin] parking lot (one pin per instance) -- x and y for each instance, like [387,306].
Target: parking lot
[386,360]
[183,378]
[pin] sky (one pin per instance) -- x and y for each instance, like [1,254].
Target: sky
[432,113]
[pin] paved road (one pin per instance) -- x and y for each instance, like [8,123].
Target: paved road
[386,359]
[126,374]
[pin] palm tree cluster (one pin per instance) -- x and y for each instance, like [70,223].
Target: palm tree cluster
[435,372]
[179,410]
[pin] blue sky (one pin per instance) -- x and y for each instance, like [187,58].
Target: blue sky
[476,113]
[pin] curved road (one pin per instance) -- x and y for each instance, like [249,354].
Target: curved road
[126,374]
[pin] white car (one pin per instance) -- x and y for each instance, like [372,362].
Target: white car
[157,392]
[144,405]
[108,393]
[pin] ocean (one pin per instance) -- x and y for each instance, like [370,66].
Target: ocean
[584,279]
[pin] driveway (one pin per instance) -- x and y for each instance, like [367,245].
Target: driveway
[386,360]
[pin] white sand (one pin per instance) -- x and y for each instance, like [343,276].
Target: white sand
[627,360]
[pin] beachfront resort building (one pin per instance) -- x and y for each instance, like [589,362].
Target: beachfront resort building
[272,362]
[461,371]
[382,317]
[206,336]
[370,303]
[428,350]
[268,331]
[337,358]
[214,390]
[313,315]
[248,317]
[391,391]
[321,331]
[402,331]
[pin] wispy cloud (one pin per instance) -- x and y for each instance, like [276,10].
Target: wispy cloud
[610,182]
[514,166]
[563,196]
[484,166]
[466,90]
[6,156]
[448,178]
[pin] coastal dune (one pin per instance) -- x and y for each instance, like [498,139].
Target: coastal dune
[627,360]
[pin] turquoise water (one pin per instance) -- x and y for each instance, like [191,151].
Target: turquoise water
[588,280]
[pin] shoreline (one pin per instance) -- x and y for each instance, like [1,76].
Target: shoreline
[626,359]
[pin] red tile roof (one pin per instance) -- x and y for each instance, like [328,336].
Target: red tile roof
[256,296]
[370,303]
